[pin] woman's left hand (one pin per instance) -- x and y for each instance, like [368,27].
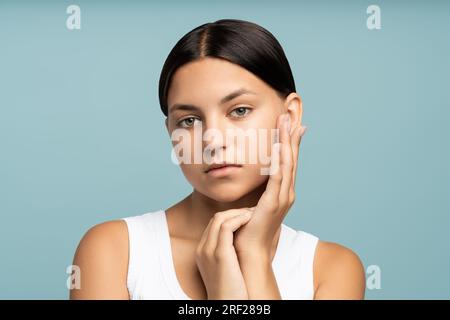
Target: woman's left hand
[257,237]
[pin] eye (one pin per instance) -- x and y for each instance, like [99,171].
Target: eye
[240,112]
[187,122]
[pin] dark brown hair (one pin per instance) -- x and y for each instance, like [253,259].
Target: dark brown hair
[241,42]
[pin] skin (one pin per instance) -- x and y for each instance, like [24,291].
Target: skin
[225,233]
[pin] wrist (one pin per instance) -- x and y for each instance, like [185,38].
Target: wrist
[252,260]
[255,255]
[259,277]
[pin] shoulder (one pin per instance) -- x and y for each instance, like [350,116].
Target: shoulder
[114,230]
[105,236]
[102,258]
[338,272]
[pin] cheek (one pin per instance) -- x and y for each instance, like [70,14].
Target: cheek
[263,124]
[225,190]
[252,178]
[192,172]
[187,146]
[255,147]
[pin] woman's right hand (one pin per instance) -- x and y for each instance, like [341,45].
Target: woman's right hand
[216,257]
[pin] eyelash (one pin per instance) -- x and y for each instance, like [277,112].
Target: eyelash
[242,107]
[180,123]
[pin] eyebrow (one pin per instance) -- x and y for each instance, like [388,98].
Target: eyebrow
[227,98]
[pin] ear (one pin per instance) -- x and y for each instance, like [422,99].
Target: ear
[293,106]
[167,125]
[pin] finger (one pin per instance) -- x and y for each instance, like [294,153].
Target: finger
[270,196]
[286,163]
[227,229]
[269,199]
[295,142]
[213,232]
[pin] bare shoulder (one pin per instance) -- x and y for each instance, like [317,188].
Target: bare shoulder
[102,258]
[338,272]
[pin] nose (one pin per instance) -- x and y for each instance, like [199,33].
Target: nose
[214,138]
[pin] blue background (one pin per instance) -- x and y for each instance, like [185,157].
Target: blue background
[82,139]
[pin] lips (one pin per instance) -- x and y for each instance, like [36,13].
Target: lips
[216,166]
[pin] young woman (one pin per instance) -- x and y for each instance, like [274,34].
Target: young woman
[225,240]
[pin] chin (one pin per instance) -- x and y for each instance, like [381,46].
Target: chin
[228,196]
[225,193]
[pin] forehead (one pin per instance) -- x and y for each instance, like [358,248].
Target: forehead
[209,79]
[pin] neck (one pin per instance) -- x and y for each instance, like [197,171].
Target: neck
[189,218]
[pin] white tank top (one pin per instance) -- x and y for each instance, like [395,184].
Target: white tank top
[151,271]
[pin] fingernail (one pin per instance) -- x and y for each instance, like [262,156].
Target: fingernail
[303,130]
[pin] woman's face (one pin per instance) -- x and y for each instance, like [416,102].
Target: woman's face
[219,107]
